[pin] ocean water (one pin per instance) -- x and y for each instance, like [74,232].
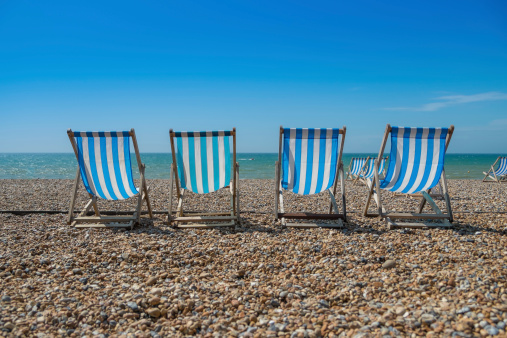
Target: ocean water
[252,165]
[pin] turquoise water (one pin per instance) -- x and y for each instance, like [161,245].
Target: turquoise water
[252,165]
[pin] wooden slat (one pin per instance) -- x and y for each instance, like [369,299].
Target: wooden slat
[415,216]
[393,225]
[107,225]
[103,219]
[339,224]
[205,226]
[203,218]
[190,214]
[307,215]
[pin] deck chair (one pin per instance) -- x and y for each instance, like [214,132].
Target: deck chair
[368,171]
[356,166]
[416,165]
[105,169]
[202,164]
[309,162]
[499,175]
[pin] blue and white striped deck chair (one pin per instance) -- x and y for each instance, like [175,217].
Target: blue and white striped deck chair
[309,162]
[202,164]
[356,166]
[369,169]
[416,165]
[105,169]
[498,175]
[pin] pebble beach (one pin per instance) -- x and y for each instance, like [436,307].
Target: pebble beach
[257,280]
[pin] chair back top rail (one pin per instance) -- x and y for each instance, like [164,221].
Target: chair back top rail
[203,159]
[104,162]
[310,158]
[416,159]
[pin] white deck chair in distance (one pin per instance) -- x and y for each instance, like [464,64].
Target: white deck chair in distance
[498,175]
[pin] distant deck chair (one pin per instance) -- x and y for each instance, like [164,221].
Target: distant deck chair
[202,164]
[416,165]
[356,166]
[498,175]
[368,171]
[309,162]
[105,169]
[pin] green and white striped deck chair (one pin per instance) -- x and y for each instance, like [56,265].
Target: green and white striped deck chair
[202,164]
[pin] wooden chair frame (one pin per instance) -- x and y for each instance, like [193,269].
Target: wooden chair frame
[99,221]
[333,205]
[426,197]
[491,174]
[193,219]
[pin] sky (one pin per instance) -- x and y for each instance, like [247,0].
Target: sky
[253,65]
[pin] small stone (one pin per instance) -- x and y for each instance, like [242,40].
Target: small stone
[133,306]
[283,294]
[77,271]
[83,280]
[463,310]
[6,299]
[156,291]
[275,303]
[153,312]
[235,302]
[427,318]
[151,281]
[492,330]
[389,264]
[154,301]
[400,310]
[9,326]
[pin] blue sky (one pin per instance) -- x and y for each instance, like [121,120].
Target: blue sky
[254,65]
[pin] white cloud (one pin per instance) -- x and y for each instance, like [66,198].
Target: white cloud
[452,100]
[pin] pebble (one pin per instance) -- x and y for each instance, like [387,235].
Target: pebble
[389,264]
[255,280]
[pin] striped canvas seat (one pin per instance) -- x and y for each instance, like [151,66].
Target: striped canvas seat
[416,159]
[203,160]
[104,164]
[371,168]
[357,165]
[309,159]
[502,167]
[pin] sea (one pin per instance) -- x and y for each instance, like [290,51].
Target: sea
[252,165]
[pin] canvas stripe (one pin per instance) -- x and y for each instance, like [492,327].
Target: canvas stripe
[309,161]
[297,161]
[413,155]
[110,169]
[104,168]
[437,159]
[197,174]
[334,158]
[226,173]
[128,164]
[191,162]
[122,165]
[397,155]
[502,168]
[321,163]
[328,159]
[182,168]
[84,166]
[210,161]
[423,154]
[93,148]
[216,164]
[292,159]
[116,167]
